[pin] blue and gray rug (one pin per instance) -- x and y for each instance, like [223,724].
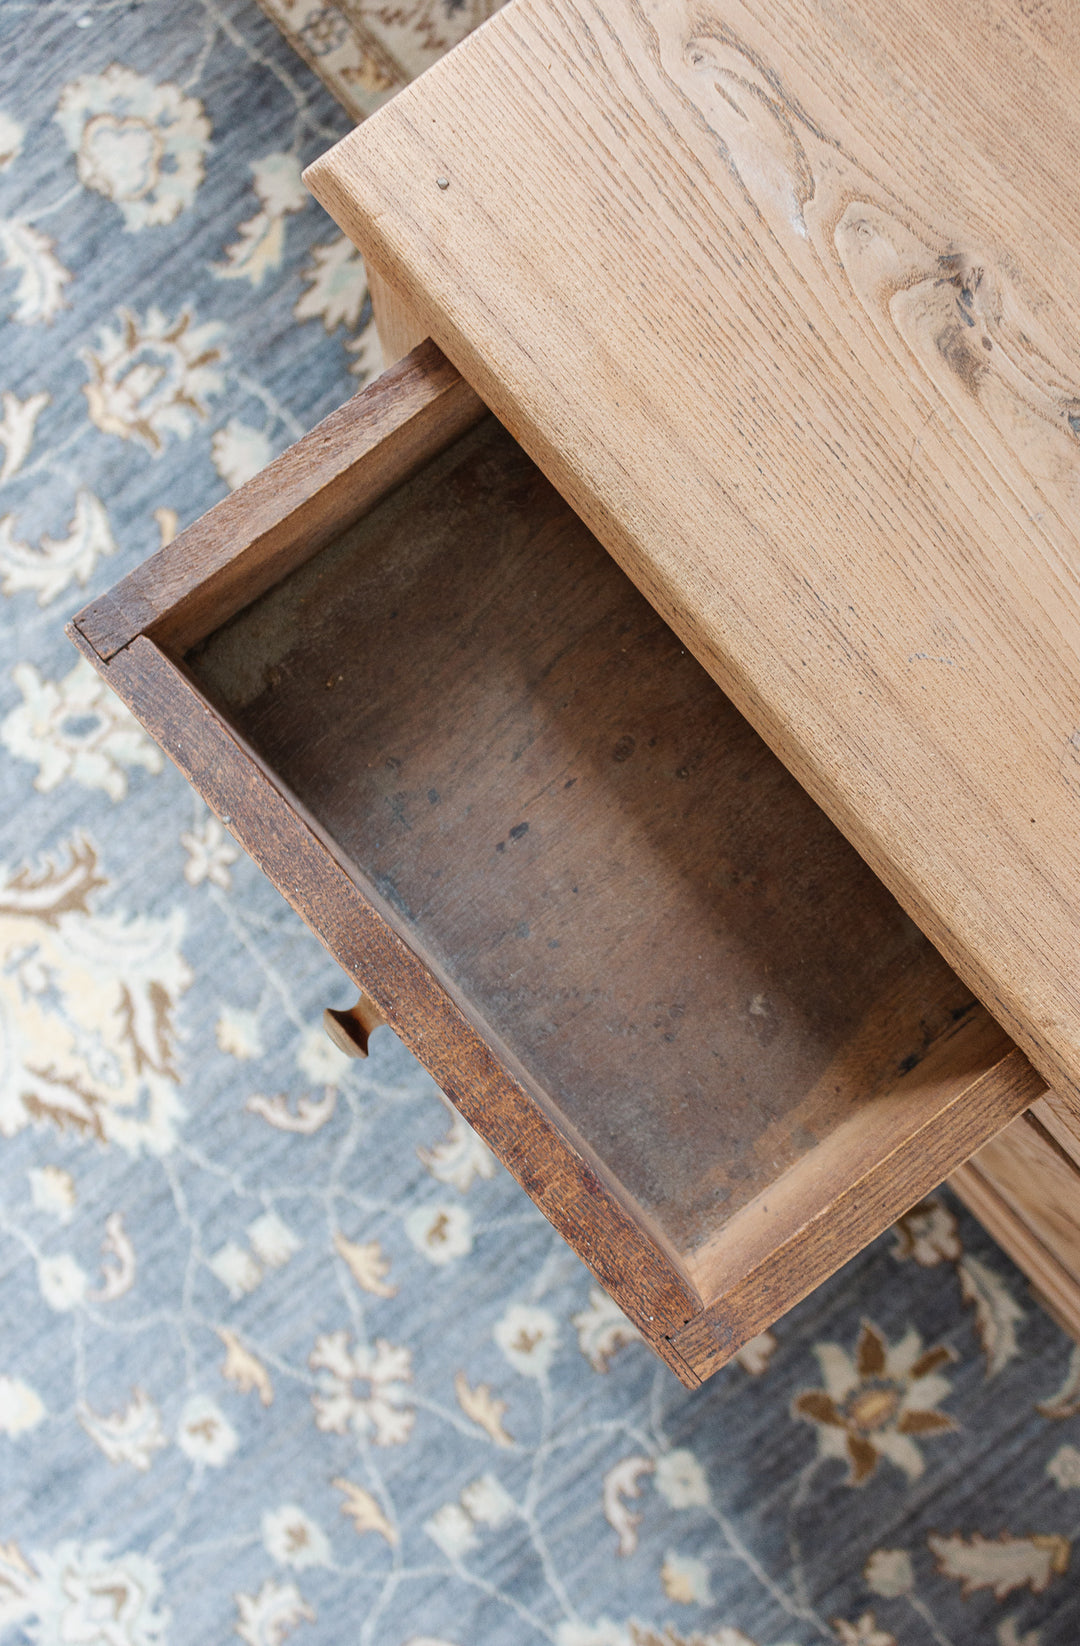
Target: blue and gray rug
[283,1356]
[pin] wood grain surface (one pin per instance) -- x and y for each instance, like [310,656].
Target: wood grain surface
[398,328]
[1029,1169]
[782,296]
[1026,1190]
[1060,1117]
[777,1249]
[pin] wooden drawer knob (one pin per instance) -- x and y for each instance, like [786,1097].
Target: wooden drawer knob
[351,1030]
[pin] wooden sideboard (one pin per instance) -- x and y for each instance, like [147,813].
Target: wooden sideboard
[685,761]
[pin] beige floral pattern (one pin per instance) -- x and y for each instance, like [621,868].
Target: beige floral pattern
[484,1408]
[141,145]
[602,1330]
[237,1033]
[680,1479]
[1064,1468]
[17,424]
[928,1233]
[364,1511]
[153,377]
[459,1158]
[457,1528]
[441,1232]
[863,1631]
[685,1578]
[265,1618]
[875,1403]
[635,1633]
[364,1388]
[621,1484]
[83,1593]
[119,1265]
[364,54]
[87,1008]
[293,1539]
[30,254]
[204,1433]
[52,1190]
[63,1283]
[12,136]
[239,452]
[243,1368]
[889,1572]
[21,1407]
[260,243]
[132,1435]
[1002,1564]
[337,285]
[75,729]
[46,571]
[529,1338]
[210,853]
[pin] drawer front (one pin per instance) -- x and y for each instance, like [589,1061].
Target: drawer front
[562,867]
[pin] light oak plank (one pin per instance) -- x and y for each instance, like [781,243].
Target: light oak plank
[1042,1184]
[782,296]
[1027,1194]
[396,323]
[1061,1118]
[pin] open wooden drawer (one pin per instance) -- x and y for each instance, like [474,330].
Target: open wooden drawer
[630,949]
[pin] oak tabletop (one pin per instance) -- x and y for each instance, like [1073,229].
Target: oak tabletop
[784,297]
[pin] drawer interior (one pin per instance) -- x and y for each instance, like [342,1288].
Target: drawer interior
[571,825]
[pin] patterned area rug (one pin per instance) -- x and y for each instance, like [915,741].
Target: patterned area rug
[365,51]
[283,1356]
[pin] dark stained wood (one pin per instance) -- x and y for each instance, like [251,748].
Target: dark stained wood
[290,509]
[571,1188]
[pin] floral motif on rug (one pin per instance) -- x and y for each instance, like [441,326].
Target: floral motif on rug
[285,1357]
[365,51]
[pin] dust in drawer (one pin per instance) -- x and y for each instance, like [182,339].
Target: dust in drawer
[569,819]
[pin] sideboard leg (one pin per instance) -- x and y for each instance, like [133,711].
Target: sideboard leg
[398,327]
